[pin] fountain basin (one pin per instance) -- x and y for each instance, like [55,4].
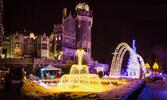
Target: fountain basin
[81,82]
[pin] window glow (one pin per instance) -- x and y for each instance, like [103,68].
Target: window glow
[66,39]
[59,37]
[31,35]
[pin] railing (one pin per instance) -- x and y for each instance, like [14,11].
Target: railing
[30,61]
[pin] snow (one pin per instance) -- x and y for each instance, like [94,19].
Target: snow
[122,91]
[31,88]
[35,90]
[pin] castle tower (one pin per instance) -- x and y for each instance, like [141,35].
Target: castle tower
[65,37]
[84,20]
[43,46]
[1,27]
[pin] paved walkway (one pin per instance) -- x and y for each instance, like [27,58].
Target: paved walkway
[158,90]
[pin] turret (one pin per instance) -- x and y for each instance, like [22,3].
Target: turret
[84,20]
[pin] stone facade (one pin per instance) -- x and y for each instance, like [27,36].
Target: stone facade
[73,33]
[19,45]
[57,49]
[43,46]
[65,39]
[84,21]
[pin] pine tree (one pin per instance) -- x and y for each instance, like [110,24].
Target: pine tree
[133,63]
[147,65]
[155,66]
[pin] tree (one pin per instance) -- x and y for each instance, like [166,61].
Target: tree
[155,66]
[147,66]
[133,63]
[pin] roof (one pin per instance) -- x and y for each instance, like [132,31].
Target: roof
[50,67]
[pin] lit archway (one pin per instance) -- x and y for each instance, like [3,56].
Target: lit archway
[142,64]
[119,53]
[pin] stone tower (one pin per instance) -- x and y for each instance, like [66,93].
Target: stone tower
[84,20]
[65,37]
[1,27]
[43,46]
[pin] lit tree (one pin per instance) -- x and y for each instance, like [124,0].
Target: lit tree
[147,65]
[133,63]
[155,66]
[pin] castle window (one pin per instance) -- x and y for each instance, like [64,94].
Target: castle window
[85,49]
[59,37]
[44,46]
[17,37]
[84,37]
[73,41]
[88,50]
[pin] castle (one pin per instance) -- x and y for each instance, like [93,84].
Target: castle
[58,49]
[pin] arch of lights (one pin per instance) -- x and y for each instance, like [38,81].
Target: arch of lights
[116,63]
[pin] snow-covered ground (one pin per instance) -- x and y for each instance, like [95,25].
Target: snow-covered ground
[35,90]
[120,92]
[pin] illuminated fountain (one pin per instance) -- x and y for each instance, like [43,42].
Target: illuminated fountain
[79,78]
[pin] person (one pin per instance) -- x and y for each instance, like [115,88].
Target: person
[2,80]
[8,81]
[49,75]
[56,74]
[46,75]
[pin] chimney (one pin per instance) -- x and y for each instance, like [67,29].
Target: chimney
[64,12]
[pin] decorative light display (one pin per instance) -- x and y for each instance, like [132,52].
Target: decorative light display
[147,65]
[133,63]
[155,66]
[133,69]
[79,78]
[82,6]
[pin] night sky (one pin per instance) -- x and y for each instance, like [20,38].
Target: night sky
[115,21]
